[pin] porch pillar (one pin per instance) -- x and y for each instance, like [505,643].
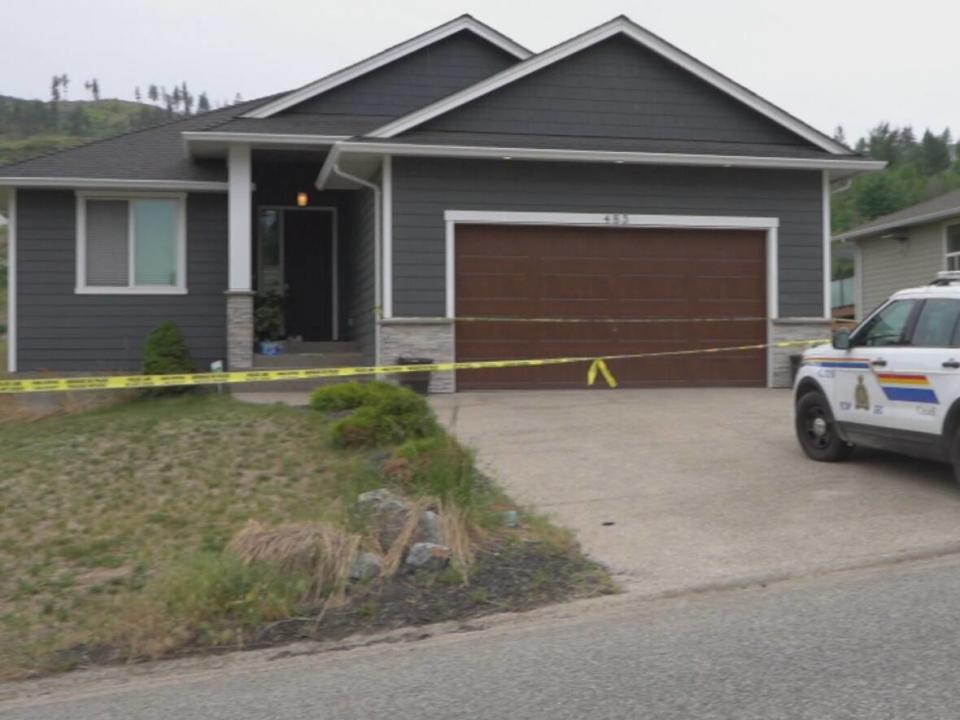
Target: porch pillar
[239,295]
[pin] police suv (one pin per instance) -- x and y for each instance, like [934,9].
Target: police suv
[892,383]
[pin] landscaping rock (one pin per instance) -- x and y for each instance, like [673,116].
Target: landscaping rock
[366,566]
[428,555]
[390,515]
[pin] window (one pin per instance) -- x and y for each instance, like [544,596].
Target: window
[953,247]
[887,327]
[131,245]
[937,324]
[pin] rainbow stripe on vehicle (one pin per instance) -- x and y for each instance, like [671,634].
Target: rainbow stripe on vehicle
[907,388]
[844,363]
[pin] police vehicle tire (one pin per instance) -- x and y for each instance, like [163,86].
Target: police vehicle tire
[817,432]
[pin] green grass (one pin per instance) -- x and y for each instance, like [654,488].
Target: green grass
[93,505]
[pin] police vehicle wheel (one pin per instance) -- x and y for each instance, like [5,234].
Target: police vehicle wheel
[817,432]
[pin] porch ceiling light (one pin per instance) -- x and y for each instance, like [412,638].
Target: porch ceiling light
[302,199]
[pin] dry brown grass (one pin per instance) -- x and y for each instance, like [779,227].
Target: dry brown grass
[323,551]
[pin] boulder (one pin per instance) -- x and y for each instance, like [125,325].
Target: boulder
[390,514]
[428,555]
[366,566]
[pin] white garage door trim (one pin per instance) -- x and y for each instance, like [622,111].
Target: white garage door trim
[614,220]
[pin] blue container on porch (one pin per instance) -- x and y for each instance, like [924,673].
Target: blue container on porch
[272,347]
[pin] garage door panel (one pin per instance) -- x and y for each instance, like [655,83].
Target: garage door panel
[529,272]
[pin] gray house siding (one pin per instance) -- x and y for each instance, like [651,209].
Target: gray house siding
[424,188]
[61,331]
[887,264]
[360,285]
[614,89]
[413,81]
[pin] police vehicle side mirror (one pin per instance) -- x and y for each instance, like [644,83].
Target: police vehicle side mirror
[841,339]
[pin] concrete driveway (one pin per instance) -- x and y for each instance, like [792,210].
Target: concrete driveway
[682,488]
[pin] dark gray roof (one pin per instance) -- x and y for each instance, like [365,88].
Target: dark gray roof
[298,124]
[938,208]
[614,144]
[150,154]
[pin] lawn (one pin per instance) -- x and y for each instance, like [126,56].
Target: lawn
[92,503]
[99,505]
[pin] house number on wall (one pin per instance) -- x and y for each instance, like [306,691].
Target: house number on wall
[617,219]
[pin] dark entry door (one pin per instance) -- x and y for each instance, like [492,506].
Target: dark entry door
[308,273]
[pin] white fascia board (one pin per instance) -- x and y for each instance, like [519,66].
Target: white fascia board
[904,223]
[581,42]
[265,138]
[386,57]
[617,156]
[328,165]
[112,184]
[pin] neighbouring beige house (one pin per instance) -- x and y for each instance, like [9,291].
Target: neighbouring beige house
[904,249]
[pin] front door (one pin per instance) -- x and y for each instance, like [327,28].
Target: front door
[309,274]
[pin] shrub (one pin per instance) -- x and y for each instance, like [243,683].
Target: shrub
[166,353]
[442,468]
[383,414]
[336,398]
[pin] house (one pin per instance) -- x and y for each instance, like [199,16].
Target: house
[904,249]
[455,175]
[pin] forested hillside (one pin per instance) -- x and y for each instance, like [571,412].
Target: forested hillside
[35,127]
[918,169]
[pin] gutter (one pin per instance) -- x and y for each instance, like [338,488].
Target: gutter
[902,223]
[334,168]
[615,156]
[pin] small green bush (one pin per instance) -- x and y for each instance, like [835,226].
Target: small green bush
[208,590]
[383,414]
[336,398]
[441,467]
[166,353]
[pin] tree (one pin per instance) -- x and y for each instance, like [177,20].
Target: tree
[136,94]
[203,103]
[95,88]
[935,152]
[879,194]
[55,89]
[238,98]
[187,98]
[79,122]
[839,135]
[176,97]
[65,84]
[153,93]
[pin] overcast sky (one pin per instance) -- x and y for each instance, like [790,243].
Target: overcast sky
[830,62]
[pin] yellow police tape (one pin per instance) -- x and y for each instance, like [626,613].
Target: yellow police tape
[598,366]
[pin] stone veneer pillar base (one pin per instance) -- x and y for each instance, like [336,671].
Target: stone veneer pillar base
[782,329]
[420,337]
[239,329]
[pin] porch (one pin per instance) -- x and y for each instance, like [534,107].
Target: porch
[304,296]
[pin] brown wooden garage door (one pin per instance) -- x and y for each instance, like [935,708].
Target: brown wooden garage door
[572,272]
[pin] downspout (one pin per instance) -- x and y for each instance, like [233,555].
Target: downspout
[377,242]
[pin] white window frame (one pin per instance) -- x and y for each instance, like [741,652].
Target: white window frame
[946,247]
[82,288]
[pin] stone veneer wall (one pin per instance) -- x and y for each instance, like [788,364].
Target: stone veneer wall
[420,337]
[239,329]
[794,329]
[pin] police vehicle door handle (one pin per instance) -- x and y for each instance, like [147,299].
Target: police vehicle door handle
[879,362]
[952,364]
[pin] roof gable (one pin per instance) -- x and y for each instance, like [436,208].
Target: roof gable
[615,93]
[620,26]
[464,23]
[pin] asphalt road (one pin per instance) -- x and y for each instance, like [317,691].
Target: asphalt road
[869,644]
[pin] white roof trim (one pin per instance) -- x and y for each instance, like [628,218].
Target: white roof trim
[112,184]
[902,223]
[592,37]
[329,82]
[268,138]
[639,158]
